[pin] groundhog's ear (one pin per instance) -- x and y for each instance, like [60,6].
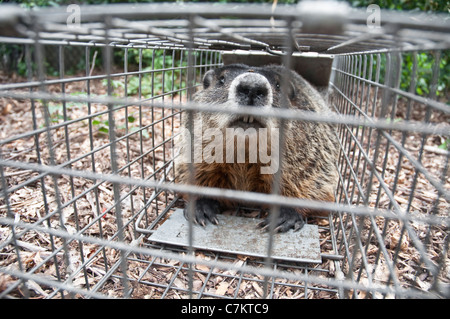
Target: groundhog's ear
[208,78]
[292,91]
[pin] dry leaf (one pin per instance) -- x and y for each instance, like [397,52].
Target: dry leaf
[7,109]
[179,283]
[31,284]
[258,288]
[222,288]
[197,285]
[202,267]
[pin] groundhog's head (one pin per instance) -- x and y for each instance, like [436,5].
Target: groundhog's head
[239,85]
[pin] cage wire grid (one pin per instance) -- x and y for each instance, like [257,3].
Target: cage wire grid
[90,174]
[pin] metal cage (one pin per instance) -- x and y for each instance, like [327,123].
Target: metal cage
[87,136]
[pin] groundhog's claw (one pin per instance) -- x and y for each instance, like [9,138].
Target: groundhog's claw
[205,210]
[288,219]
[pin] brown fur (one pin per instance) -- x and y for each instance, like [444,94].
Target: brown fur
[308,169]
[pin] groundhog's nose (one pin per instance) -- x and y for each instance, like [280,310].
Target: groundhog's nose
[251,95]
[251,89]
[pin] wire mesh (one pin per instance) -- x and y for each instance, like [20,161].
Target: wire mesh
[87,157]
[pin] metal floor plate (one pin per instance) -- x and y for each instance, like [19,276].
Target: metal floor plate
[240,235]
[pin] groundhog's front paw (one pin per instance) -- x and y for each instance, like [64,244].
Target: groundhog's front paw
[289,218]
[205,210]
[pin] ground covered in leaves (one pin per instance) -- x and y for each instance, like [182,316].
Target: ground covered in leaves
[83,144]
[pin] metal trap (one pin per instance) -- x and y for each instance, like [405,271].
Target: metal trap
[90,109]
[240,235]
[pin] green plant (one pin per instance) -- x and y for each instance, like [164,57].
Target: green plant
[55,112]
[423,74]
[445,145]
[422,5]
[160,70]
[425,62]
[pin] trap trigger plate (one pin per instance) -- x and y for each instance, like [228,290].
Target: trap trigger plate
[240,235]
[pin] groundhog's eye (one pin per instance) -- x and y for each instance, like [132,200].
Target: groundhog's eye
[222,80]
[277,85]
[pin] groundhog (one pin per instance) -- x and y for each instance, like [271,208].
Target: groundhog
[308,170]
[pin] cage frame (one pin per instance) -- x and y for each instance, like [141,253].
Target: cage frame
[355,61]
